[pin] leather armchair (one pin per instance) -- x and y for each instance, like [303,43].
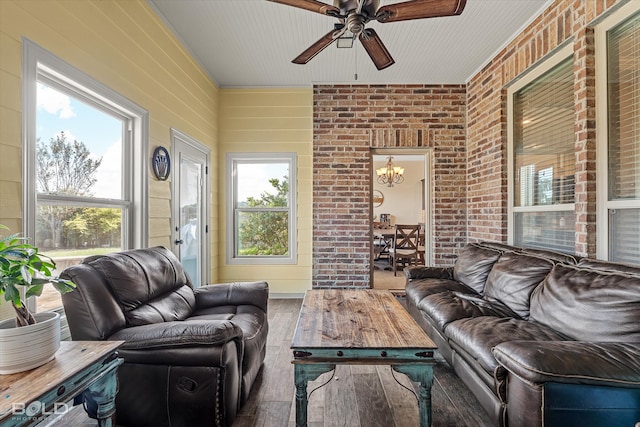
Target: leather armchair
[191,355]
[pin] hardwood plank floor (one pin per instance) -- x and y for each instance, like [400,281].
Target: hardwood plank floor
[356,396]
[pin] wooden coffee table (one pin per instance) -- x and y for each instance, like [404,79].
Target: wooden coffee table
[367,327]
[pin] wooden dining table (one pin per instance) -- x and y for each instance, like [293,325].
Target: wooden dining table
[386,235]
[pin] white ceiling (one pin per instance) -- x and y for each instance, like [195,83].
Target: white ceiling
[251,43]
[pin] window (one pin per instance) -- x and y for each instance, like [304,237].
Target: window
[84,165]
[261,214]
[542,160]
[618,44]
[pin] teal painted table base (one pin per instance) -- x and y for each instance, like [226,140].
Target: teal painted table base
[310,364]
[44,394]
[359,327]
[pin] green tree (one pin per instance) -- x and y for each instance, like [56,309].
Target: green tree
[63,168]
[262,230]
[94,227]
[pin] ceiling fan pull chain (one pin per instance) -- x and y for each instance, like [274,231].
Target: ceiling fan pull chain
[356,56]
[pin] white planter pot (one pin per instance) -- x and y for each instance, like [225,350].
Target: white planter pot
[28,347]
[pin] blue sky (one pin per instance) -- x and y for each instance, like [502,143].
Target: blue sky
[100,132]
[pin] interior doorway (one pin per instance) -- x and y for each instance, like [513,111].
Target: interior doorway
[405,202]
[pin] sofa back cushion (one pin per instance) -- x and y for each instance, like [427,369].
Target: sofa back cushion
[474,264]
[588,305]
[609,267]
[556,257]
[149,285]
[514,277]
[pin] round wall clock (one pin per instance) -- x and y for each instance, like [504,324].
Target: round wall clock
[378,198]
[161,163]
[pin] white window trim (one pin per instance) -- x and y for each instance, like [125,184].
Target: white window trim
[35,61]
[230,201]
[562,53]
[602,129]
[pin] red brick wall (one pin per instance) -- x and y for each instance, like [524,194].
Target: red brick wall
[466,126]
[564,21]
[348,122]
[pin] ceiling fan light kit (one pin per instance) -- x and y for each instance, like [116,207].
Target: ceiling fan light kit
[353,15]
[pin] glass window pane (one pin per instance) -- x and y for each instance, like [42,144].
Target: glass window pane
[624,235]
[544,159]
[261,219]
[623,74]
[546,230]
[69,234]
[262,184]
[79,147]
[263,233]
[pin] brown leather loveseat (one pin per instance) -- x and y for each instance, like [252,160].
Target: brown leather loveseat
[190,355]
[541,338]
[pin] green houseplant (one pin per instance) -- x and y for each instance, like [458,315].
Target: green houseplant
[22,266]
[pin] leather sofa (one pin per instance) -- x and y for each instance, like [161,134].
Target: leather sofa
[190,355]
[540,338]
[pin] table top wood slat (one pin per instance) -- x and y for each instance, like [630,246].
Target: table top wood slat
[71,358]
[338,318]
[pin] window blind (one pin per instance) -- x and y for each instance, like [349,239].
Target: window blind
[624,111]
[544,161]
[544,139]
[623,88]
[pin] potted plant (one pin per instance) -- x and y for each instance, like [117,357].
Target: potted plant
[28,341]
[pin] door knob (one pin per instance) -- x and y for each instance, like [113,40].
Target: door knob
[179,241]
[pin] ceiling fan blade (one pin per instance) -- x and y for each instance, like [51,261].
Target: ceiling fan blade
[318,46]
[376,49]
[419,9]
[311,5]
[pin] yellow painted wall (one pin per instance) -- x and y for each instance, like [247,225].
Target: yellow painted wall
[124,45]
[270,120]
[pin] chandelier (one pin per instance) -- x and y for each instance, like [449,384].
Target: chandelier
[390,174]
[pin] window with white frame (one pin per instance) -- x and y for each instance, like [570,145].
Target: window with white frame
[618,47]
[542,160]
[261,208]
[84,181]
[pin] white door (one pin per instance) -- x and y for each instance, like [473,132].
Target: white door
[190,206]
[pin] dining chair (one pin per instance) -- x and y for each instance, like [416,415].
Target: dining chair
[421,248]
[405,246]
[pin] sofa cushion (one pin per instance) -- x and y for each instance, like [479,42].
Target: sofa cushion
[557,257]
[478,335]
[474,264]
[445,307]
[502,247]
[588,305]
[416,290]
[513,278]
[165,294]
[612,364]
[611,267]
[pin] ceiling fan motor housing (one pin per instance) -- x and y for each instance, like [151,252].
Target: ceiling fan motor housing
[368,10]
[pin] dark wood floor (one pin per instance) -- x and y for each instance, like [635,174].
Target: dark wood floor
[366,396]
[357,396]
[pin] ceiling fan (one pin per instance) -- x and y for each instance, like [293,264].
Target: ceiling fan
[353,15]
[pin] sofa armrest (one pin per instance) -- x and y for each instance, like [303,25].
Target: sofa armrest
[178,334]
[429,273]
[577,362]
[238,293]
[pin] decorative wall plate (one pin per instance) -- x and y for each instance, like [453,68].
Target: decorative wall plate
[161,163]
